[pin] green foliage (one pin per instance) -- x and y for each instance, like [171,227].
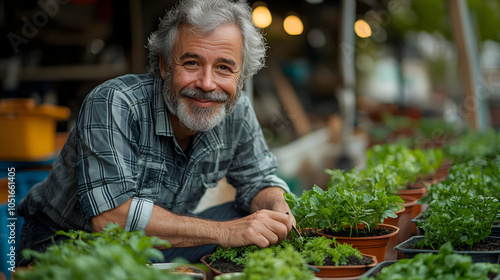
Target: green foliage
[479,176]
[473,144]
[111,254]
[236,255]
[276,264]
[406,162]
[436,129]
[314,250]
[444,265]
[463,219]
[341,206]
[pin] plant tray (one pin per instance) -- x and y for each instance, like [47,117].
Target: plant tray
[376,270]
[406,247]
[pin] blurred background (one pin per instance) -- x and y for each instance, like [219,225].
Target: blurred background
[341,76]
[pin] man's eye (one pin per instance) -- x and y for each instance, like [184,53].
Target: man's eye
[224,67]
[190,63]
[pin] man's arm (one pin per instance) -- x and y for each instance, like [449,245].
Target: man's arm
[262,228]
[270,198]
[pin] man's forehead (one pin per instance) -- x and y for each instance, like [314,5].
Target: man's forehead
[226,40]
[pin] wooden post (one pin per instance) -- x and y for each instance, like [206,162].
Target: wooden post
[474,105]
[291,102]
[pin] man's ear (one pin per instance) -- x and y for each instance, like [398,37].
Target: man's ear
[163,66]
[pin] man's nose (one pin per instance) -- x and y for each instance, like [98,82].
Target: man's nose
[206,80]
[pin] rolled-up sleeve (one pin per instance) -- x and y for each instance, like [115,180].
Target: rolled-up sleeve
[139,214]
[107,151]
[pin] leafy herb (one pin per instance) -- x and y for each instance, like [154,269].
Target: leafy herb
[111,254]
[340,207]
[314,250]
[236,255]
[473,144]
[444,265]
[408,163]
[462,220]
[276,264]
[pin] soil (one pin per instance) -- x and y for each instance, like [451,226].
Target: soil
[359,233]
[227,266]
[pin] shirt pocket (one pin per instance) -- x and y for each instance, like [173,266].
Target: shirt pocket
[210,180]
[151,181]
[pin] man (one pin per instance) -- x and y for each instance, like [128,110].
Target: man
[146,147]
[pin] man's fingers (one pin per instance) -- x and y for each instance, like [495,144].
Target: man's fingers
[262,228]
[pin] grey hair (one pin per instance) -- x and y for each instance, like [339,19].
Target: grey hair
[205,16]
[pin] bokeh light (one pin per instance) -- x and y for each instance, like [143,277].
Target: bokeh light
[262,17]
[293,25]
[362,29]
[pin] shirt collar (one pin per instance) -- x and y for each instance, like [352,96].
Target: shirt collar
[162,121]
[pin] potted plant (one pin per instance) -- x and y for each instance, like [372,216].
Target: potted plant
[413,168]
[107,255]
[479,176]
[351,216]
[325,256]
[278,263]
[464,220]
[442,265]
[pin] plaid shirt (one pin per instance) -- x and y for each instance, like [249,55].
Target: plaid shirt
[123,147]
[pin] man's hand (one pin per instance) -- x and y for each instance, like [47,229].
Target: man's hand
[262,228]
[267,225]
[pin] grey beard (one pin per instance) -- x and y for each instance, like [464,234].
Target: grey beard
[198,118]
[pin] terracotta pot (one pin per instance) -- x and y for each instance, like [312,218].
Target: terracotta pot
[215,272]
[390,254]
[371,245]
[342,271]
[328,271]
[417,191]
[406,228]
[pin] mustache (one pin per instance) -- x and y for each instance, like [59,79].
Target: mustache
[214,96]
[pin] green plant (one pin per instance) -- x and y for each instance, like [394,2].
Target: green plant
[472,144]
[111,254]
[444,265]
[398,156]
[236,255]
[463,220]
[479,176]
[340,207]
[316,249]
[276,264]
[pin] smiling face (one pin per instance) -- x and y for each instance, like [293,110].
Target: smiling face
[201,85]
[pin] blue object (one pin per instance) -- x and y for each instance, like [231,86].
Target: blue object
[11,223]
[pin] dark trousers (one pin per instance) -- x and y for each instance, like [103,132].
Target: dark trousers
[40,228]
[223,212]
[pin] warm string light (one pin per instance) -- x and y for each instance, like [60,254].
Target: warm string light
[362,29]
[262,17]
[293,25]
